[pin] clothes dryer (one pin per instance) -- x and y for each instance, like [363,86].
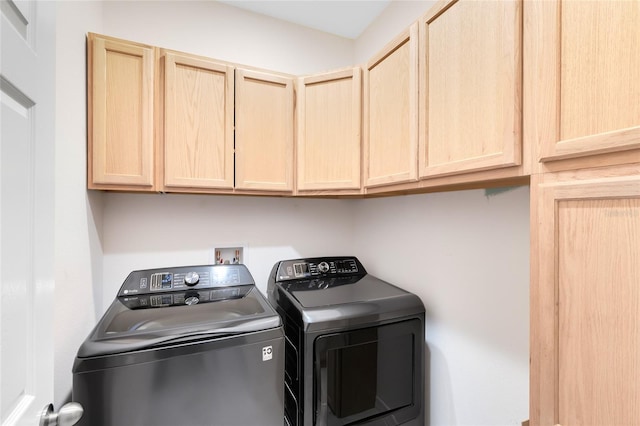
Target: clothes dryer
[354,345]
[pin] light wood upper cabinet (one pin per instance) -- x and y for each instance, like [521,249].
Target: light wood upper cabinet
[329,117]
[470,86]
[391,112]
[264,131]
[585,63]
[198,122]
[120,114]
[585,298]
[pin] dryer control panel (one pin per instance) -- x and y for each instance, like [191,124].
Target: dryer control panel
[183,278]
[300,269]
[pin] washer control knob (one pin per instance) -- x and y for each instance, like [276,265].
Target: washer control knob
[323,267]
[191,278]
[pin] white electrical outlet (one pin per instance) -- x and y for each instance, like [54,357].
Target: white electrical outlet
[228,254]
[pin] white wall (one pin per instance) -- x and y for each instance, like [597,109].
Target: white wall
[78,214]
[224,32]
[467,256]
[395,18]
[146,231]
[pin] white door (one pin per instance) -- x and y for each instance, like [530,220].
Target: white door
[27,79]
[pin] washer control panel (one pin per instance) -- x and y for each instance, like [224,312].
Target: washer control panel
[179,298]
[182,278]
[298,269]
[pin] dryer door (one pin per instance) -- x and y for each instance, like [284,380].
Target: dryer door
[370,373]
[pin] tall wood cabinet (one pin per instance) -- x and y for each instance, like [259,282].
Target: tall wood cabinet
[329,108]
[390,116]
[120,97]
[585,297]
[582,121]
[470,87]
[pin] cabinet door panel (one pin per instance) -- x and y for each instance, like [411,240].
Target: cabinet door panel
[391,112]
[586,303]
[329,131]
[198,123]
[590,67]
[120,97]
[264,131]
[599,311]
[470,88]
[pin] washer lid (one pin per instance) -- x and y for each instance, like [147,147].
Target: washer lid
[146,321]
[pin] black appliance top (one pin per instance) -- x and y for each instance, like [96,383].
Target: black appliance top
[317,267]
[329,291]
[154,281]
[334,289]
[159,307]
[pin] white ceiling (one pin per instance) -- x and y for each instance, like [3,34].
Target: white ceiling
[343,18]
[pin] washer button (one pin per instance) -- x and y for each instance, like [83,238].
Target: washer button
[323,267]
[191,278]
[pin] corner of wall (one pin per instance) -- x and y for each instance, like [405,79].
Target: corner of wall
[391,22]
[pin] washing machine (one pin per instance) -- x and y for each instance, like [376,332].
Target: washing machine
[188,346]
[355,345]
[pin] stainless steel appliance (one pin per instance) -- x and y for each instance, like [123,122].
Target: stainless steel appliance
[188,346]
[354,345]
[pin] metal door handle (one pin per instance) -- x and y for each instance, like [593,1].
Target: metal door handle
[68,415]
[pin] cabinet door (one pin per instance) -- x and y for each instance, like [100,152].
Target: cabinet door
[120,114]
[391,112]
[470,87]
[585,300]
[264,131]
[198,123]
[329,107]
[587,76]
